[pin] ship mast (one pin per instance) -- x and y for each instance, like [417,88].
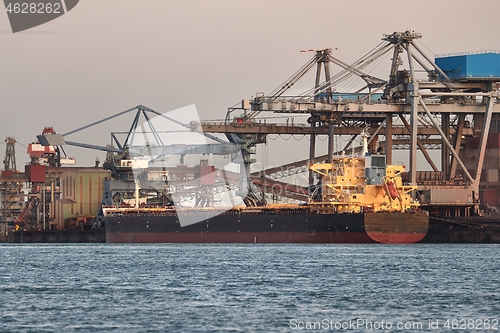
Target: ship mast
[365,136]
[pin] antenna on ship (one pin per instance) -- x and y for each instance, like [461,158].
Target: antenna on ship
[365,136]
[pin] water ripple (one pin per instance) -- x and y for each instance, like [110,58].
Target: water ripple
[241,288]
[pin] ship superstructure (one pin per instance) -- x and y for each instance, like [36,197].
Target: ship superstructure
[362,183]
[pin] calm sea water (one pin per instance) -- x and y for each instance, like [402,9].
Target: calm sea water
[249,288]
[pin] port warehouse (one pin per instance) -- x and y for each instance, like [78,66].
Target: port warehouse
[76,194]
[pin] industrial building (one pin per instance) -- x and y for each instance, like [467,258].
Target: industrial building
[80,198]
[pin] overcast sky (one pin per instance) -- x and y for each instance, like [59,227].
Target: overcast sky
[106,56]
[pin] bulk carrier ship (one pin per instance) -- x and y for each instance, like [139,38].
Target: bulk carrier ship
[358,200]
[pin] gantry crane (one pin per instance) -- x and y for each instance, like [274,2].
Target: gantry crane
[430,108]
[143,146]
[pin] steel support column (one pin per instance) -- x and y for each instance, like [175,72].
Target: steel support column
[312,152]
[330,142]
[326,64]
[458,140]
[482,145]
[318,79]
[445,152]
[414,95]
[388,138]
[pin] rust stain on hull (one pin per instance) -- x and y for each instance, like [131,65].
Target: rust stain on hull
[396,228]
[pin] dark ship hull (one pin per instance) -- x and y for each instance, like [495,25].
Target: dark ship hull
[473,229]
[266,226]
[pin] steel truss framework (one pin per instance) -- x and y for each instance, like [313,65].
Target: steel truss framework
[407,110]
